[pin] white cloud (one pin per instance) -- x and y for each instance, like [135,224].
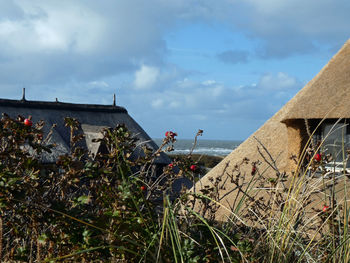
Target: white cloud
[208,82]
[82,40]
[295,26]
[254,101]
[99,84]
[157,103]
[174,104]
[146,77]
[189,104]
[281,81]
[217,91]
[59,41]
[53,27]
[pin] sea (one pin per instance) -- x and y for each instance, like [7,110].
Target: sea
[205,147]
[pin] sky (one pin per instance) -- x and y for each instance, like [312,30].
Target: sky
[223,66]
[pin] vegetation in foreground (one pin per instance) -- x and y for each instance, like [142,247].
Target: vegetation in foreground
[112,207]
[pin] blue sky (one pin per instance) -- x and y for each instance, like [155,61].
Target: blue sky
[222,66]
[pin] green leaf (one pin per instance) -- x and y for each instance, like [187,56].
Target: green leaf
[42,239]
[84,199]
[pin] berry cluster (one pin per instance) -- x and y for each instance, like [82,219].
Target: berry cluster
[170,134]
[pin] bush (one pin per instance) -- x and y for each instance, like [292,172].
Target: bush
[107,207]
[117,208]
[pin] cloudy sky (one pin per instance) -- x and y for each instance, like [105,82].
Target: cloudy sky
[224,66]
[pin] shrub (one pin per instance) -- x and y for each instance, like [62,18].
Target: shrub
[105,207]
[116,207]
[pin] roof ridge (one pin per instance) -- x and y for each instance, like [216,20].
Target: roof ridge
[61,105]
[317,98]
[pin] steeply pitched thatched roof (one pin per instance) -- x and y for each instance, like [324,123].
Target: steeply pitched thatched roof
[93,118]
[327,95]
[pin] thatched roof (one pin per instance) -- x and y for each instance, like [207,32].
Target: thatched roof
[93,118]
[328,93]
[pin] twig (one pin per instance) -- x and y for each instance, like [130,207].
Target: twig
[199,133]
[309,132]
[272,164]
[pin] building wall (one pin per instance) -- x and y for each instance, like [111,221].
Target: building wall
[298,137]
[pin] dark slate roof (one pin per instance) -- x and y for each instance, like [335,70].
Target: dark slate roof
[93,118]
[61,106]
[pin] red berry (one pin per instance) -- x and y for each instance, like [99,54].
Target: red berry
[325,208]
[318,157]
[193,167]
[143,188]
[253,170]
[28,122]
[170,134]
